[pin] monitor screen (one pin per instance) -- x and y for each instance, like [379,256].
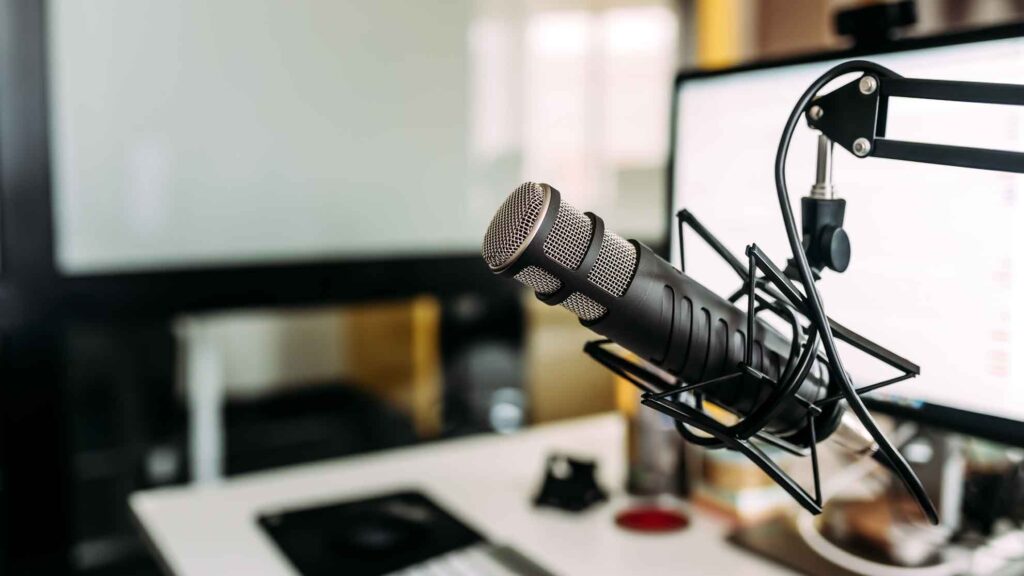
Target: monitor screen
[937,268]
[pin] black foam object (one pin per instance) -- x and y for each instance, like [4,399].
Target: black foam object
[570,484]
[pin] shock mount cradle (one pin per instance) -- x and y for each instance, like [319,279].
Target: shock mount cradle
[766,289]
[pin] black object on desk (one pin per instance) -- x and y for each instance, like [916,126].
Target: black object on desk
[570,484]
[367,537]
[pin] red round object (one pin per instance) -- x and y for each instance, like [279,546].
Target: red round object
[652,519]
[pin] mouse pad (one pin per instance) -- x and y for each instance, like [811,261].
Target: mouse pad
[367,537]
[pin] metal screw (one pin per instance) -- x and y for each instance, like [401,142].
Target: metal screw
[861,147]
[868,84]
[816,112]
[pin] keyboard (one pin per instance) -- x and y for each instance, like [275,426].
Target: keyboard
[482,559]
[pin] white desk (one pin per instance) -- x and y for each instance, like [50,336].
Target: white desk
[212,531]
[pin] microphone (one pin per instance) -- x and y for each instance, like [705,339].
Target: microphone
[624,291]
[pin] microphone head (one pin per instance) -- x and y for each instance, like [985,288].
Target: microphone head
[515,227]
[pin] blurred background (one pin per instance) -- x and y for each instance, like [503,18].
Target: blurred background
[244,234]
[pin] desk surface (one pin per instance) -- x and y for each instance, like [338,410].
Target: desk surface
[200,531]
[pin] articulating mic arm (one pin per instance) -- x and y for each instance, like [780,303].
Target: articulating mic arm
[854,116]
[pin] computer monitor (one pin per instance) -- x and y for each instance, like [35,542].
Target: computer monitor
[937,252]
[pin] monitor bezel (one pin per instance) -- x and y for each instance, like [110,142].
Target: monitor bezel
[988,426]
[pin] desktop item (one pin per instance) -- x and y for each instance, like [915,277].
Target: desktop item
[731,485]
[570,484]
[479,559]
[399,533]
[652,519]
[481,347]
[779,540]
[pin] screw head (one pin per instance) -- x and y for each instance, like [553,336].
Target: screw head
[868,84]
[816,112]
[861,147]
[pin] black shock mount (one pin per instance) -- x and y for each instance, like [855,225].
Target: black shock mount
[767,290]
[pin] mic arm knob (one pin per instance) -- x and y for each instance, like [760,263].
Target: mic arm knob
[834,248]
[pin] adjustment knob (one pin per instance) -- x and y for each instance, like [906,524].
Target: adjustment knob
[834,248]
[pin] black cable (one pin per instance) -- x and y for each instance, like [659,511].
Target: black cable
[898,464]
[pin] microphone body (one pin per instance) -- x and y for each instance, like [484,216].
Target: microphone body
[624,291]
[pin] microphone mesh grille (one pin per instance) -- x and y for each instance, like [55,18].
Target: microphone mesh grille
[616,261]
[542,281]
[512,224]
[569,237]
[584,307]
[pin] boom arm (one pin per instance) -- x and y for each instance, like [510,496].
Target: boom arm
[854,116]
